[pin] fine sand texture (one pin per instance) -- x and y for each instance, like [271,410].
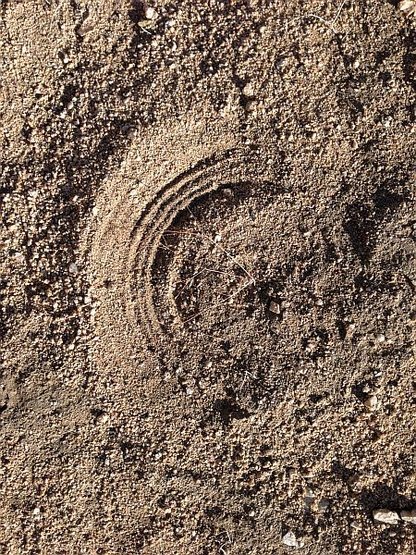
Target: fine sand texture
[207,277]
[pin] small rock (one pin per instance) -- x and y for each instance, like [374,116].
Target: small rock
[408,7]
[372,402]
[228,193]
[102,418]
[409,516]
[248,90]
[150,13]
[145,24]
[386,516]
[290,540]
[309,497]
[86,27]
[275,307]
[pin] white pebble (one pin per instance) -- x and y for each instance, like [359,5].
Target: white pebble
[150,13]
[372,403]
[386,516]
[408,7]
[248,90]
[290,540]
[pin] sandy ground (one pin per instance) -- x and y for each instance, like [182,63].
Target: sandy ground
[207,277]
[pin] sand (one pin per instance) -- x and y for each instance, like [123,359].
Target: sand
[207,277]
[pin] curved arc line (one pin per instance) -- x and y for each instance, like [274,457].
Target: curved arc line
[156,217]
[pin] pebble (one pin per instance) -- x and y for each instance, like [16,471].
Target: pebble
[102,419]
[291,540]
[275,307]
[248,90]
[150,13]
[386,516]
[309,497]
[409,516]
[372,402]
[408,7]
[86,27]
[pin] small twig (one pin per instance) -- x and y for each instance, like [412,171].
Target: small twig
[165,245]
[145,30]
[218,272]
[229,541]
[219,303]
[338,12]
[202,235]
[165,248]
[175,232]
[246,373]
[188,283]
[330,24]
[230,256]
[208,270]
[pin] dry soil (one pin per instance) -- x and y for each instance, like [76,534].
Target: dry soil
[207,277]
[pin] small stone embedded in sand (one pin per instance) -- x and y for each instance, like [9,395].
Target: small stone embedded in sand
[102,418]
[86,27]
[150,13]
[409,516]
[290,540]
[309,497]
[372,403]
[408,7]
[386,516]
[248,90]
[275,307]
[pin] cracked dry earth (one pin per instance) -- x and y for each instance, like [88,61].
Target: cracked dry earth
[207,277]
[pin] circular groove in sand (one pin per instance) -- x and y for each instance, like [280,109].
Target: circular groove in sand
[208,175]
